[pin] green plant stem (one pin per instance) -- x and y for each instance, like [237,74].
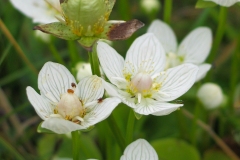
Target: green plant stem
[73,53]
[93,59]
[6,51]
[116,132]
[11,149]
[56,54]
[219,33]
[214,136]
[167,11]
[181,124]
[75,144]
[17,47]
[130,127]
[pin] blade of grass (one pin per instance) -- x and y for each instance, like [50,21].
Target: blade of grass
[5,53]
[17,47]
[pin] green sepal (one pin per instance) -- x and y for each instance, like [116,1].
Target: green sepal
[58,29]
[204,4]
[44,130]
[88,129]
[120,30]
[138,116]
[88,42]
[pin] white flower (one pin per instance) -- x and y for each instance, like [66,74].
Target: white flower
[226,3]
[193,49]
[139,150]
[83,70]
[40,11]
[140,80]
[210,95]
[65,106]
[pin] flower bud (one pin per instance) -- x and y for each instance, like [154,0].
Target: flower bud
[83,70]
[150,6]
[86,18]
[210,95]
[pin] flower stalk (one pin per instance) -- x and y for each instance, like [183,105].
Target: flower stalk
[130,127]
[75,144]
[167,11]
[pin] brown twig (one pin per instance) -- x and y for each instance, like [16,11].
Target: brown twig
[216,138]
[16,46]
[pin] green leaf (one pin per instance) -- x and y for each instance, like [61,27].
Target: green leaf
[215,154]
[175,149]
[205,4]
[44,130]
[58,29]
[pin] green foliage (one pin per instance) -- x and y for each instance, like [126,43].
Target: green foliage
[205,4]
[175,149]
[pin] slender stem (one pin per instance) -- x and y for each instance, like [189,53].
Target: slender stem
[116,132]
[6,51]
[73,52]
[93,58]
[130,127]
[215,137]
[197,111]
[75,144]
[17,47]
[219,33]
[12,150]
[56,54]
[167,11]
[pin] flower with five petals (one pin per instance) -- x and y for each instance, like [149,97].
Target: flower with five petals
[193,49]
[65,106]
[226,3]
[140,81]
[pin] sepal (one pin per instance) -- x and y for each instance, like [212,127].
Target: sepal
[120,30]
[57,29]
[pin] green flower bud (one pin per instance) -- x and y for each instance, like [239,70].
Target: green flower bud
[87,18]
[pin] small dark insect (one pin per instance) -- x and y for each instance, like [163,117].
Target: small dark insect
[73,85]
[100,100]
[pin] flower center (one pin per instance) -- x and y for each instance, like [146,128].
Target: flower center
[140,84]
[70,107]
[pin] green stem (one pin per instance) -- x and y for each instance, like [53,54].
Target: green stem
[55,54]
[73,53]
[93,58]
[6,51]
[75,144]
[116,132]
[219,33]
[130,127]
[167,11]
[181,124]
[11,149]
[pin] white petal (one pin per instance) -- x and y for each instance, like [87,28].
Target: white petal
[41,105]
[110,89]
[164,34]
[196,45]
[38,10]
[100,111]
[146,54]
[203,69]
[226,3]
[61,126]
[90,89]
[54,80]
[150,106]
[139,150]
[112,63]
[176,81]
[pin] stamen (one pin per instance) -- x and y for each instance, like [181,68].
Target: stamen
[55,116]
[139,97]
[78,118]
